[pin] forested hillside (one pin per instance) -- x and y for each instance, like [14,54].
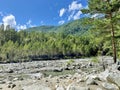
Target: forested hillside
[68,42]
[73,27]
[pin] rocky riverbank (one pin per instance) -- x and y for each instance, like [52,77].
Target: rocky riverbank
[78,74]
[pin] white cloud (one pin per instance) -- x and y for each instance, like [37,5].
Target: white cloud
[25,26]
[74,15]
[77,15]
[74,10]
[71,15]
[9,20]
[75,6]
[29,22]
[61,22]
[62,11]
[21,27]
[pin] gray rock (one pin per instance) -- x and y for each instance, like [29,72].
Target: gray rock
[2,82]
[9,82]
[91,81]
[10,78]
[76,75]
[1,88]
[80,80]
[98,89]
[57,70]
[60,88]
[11,85]
[50,76]
[73,87]
[10,71]
[90,65]
[118,68]
[84,66]
[118,63]
[109,86]
[15,79]
[103,75]
[36,87]
[114,77]
[37,76]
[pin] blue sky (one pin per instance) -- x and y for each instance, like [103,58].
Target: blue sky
[22,14]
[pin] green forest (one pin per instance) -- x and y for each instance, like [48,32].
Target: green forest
[85,37]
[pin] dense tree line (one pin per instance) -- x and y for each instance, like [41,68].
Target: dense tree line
[24,46]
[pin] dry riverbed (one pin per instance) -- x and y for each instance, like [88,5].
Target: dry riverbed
[77,74]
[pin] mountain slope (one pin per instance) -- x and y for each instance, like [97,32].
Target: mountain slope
[74,27]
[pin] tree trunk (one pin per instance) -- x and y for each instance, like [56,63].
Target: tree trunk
[113,39]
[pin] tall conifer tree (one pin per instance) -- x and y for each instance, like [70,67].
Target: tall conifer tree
[111,10]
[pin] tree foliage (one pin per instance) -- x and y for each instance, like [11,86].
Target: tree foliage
[110,9]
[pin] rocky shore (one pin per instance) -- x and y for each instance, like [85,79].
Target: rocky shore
[77,74]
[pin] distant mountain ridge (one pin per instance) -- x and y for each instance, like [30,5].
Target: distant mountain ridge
[73,27]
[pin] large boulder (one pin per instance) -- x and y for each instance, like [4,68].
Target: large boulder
[109,86]
[91,81]
[114,77]
[103,75]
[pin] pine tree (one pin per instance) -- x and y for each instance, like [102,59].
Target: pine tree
[110,9]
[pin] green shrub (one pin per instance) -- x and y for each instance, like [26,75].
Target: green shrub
[69,62]
[95,60]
